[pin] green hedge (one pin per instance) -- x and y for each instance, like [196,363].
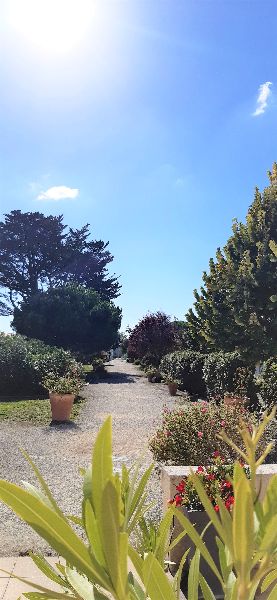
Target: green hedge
[187,369]
[228,372]
[24,363]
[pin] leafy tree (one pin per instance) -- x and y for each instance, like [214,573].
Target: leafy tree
[71,317]
[152,338]
[236,306]
[37,252]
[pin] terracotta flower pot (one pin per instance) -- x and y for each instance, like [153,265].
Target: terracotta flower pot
[61,406]
[200,520]
[234,401]
[172,388]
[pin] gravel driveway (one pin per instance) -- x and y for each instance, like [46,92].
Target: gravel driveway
[136,407]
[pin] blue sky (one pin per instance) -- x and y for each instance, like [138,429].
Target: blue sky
[148,108]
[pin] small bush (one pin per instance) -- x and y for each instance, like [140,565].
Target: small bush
[153,375]
[188,435]
[186,368]
[227,372]
[24,363]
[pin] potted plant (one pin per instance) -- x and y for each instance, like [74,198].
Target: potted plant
[216,480]
[153,375]
[172,385]
[62,392]
[233,399]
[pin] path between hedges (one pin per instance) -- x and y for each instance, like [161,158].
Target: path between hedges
[136,407]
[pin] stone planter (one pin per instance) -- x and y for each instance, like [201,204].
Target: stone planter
[61,406]
[200,520]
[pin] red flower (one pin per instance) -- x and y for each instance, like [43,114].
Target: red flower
[229,502]
[211,476]
[216,454]
[200,470]
[226,484]
[200,434]
[216,508]
[180,487]
[178,500]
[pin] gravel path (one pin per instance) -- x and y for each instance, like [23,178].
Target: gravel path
[136,407]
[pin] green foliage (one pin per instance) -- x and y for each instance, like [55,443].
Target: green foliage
[236,307]
[36,252]
[267,383]
[188,435]
[72,317]
[228,372]
[62,385]
[186,368]
[97,564]
[24,363]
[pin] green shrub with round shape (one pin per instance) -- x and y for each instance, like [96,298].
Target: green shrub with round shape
[25,363]
[186,368]
[227,372]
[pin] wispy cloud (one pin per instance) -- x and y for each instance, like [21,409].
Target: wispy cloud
[59,192]
[264,93]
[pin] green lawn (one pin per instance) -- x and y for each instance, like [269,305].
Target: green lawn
[36,411]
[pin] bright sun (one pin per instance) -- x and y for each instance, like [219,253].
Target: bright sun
[52,25]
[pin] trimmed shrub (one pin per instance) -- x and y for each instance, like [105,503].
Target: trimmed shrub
[227,372]
[25,363]
[186,368]
[188,435]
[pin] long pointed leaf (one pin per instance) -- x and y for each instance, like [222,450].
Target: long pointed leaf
[193,578]
[48,570]
[55,530]
[102,466]
[43,484]
[155,580]
[198,542]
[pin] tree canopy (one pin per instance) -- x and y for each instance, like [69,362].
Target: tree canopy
[71,317]
[236,307]
[39,252]
[152,338]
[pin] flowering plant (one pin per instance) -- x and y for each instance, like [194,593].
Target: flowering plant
[62,385]
[217,482]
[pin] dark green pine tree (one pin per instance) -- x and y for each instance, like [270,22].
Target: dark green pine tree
[236,307]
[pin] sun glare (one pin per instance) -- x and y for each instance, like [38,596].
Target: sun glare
[52,25]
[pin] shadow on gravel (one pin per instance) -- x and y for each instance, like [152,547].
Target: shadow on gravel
[117,378]
[63,425]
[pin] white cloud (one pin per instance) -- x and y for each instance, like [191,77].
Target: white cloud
[264,93]
[59,192]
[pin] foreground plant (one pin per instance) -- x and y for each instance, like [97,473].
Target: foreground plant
[112,508]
